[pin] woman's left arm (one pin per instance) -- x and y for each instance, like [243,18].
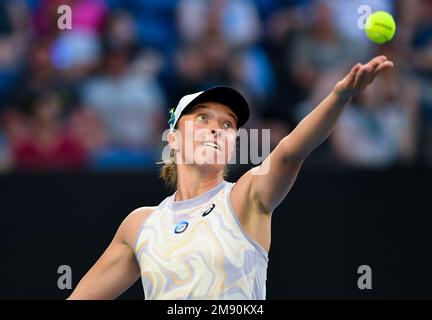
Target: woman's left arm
[271,181]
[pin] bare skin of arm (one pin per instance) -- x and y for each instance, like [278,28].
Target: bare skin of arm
[268,184]
[117,269]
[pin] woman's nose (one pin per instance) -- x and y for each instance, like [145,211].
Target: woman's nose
[215,131]
[214,128]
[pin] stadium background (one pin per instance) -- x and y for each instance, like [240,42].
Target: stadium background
[82,113]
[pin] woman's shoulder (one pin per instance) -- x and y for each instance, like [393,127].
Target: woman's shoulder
[140,212]
[138,215]
[132,223]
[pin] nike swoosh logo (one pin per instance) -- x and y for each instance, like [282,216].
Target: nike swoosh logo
[208,210]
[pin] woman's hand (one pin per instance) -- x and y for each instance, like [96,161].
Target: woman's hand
[361,76]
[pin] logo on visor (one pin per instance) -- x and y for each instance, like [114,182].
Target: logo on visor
[172,116]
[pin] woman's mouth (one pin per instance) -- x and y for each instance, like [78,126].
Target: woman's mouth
[211,144]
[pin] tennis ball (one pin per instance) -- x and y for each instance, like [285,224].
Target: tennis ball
[380,27]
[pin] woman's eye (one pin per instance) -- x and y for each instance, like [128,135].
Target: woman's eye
[202,117]
[228,125]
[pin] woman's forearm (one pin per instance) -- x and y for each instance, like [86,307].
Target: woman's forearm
[315,127]
[318,124]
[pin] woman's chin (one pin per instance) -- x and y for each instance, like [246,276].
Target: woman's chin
[210,156]
[211,160]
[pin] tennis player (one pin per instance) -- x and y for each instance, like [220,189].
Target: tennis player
[210,239]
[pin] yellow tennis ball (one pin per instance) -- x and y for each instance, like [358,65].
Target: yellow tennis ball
[380,27]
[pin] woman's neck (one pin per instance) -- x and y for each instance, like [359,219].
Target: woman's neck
[191,182]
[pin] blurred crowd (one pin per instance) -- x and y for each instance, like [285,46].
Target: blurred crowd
[97,96]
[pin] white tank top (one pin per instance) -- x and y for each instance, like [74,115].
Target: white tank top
[197,249]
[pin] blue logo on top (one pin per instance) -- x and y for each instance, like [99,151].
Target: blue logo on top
[181,226]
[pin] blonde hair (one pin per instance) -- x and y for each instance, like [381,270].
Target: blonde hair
[168,171]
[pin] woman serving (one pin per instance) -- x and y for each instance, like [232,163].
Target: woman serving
[210,239]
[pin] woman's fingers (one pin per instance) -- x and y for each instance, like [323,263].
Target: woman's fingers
[383,66]
[369,71]
[376,64]
[352,75]
[360,77]
[356,68]
[379,59]
[376,61]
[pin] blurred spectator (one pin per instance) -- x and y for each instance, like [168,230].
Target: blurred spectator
[319,50]
[42,140]
[379,127]
[251,69]
[88,128]
[155,22]
[5,153]
[281,28]
[75,52]
[237,21]
[121,30]
[130,105]
[190,71]
[39,77]
[421,59]
[312,50]
[225,35]
[15,34]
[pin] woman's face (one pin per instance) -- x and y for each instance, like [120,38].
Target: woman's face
[207,135]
